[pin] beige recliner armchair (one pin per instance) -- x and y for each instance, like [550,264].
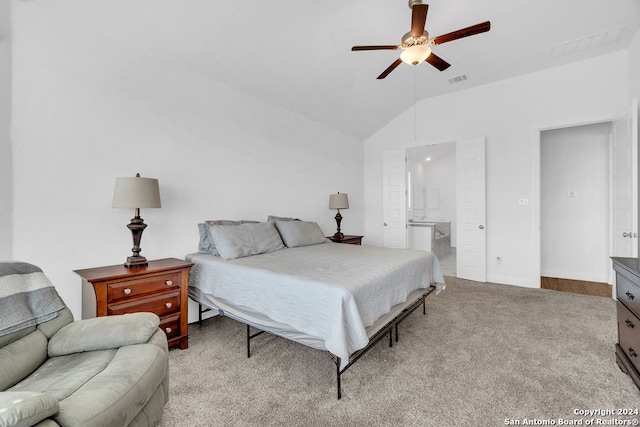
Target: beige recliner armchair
[107,371]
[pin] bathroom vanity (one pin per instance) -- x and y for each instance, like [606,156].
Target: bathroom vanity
[432,236]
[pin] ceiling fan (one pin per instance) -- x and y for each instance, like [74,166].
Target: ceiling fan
[416,43]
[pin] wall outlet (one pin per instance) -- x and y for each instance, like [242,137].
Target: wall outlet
[523,202]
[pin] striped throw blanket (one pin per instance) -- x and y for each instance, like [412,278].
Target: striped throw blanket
[27,297]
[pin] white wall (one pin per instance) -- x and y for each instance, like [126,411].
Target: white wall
[574,188]
[510,114]
[87,110]
[6,186]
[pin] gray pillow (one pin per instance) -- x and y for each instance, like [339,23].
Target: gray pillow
[300,233]
[26,408]
[204,244]
[244,240]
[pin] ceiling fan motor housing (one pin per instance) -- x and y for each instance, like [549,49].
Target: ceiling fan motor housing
[408,40]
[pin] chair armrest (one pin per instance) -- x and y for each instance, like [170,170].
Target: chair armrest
[102,333]
[26,408]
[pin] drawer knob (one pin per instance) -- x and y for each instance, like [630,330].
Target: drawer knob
[168,305]
[632,352]
[168,330]
[168,282]
[629,324]
[127,291]
[630,295]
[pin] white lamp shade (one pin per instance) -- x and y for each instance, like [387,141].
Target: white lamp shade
[136,192]
[339,201]
[414,55]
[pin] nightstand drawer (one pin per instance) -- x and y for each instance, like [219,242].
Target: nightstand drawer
[629,334]
[148,285]
[162,305]
[171,325]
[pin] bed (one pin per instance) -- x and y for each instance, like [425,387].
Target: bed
[330,296]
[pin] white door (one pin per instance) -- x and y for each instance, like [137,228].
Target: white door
[624,185]
[394,199]
[471,207]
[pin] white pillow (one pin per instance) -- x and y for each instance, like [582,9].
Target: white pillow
[237,241]
[300,233]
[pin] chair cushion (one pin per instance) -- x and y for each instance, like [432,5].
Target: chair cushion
[25,408]
[116,395]
[100,388]
[64,375]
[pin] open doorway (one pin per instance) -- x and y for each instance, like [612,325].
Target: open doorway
[468,234]
[575,208]
[431,202]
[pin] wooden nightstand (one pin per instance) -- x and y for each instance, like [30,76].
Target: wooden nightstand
[351,240]
[160,287]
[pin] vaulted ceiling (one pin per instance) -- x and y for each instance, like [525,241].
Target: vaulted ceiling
[297,54]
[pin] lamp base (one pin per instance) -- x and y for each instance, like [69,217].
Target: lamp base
[136,226]
[136,261]
[338,234]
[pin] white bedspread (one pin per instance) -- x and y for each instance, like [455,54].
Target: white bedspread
[330,291]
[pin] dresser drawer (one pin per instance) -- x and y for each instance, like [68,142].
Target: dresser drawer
[629,334]
[629,293]
[161,304]
[171,325]
[137,287]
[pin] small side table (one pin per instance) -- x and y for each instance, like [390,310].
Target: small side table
[350,240]
[161,287]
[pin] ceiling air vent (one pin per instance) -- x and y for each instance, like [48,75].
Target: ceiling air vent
[588,42]
[458,79]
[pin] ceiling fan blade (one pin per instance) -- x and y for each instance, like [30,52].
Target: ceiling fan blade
[380,47]
[390,68]
[418,19]
[437,62]
[464,32]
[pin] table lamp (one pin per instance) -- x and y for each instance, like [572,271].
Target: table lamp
[338,201]
[136,192]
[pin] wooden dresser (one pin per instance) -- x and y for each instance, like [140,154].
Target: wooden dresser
[628,303]
[159,287]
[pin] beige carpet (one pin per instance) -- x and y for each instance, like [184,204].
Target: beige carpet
[483,355]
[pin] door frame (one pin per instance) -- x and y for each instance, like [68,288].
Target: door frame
[456,142]
[537,190]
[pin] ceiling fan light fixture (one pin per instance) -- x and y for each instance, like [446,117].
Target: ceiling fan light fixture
[414,55]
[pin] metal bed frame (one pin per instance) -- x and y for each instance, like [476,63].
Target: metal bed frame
[388,328]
